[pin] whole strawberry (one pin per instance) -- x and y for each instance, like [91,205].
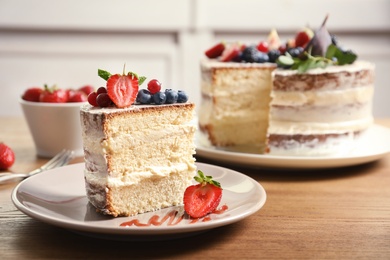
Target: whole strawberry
[203,198]
[32,94]
[53,95]
[7,157]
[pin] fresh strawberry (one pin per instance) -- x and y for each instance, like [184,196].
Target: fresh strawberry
[203,198]
[7,157]
[123,89]
[53,95]
[77,96]
[230,52]
[32,94]
[87,89]
[215,51]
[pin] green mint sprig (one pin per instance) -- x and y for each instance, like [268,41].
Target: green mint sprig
[106,75]
[305,62]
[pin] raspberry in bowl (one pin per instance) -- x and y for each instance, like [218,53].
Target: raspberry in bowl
[53,117]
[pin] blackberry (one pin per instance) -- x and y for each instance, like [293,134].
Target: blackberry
[273,55]
[249,53]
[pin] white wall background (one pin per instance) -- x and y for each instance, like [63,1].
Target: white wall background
[65,42]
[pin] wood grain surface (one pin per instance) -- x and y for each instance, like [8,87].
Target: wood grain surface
[339,213]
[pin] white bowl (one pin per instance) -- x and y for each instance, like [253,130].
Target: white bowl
[54,126]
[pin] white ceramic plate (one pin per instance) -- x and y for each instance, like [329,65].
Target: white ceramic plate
[58,197]
[375,145]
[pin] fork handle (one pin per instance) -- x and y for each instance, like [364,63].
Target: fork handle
[11,176]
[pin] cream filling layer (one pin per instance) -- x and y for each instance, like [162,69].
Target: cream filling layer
[323,98]
[132,178]
[306,128]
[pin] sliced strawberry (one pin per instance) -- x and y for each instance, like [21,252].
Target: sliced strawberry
[123,89]
[7,157]
[215,51]
[32,94]
[230,52]
[203,198]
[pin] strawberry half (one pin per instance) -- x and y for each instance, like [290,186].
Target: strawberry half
[215,51]
[123,89]
[203,198]
[230,52]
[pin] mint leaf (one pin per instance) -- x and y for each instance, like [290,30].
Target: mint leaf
[331,51]
[104,74]
[343,56]
[141,80]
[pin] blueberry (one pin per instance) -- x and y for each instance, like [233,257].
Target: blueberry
[144,96]
[171,96]
[159,98]
[273,55]
[294,52]
[261,57]
[182,97]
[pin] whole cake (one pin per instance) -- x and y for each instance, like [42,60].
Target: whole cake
[138,153]
[306,97]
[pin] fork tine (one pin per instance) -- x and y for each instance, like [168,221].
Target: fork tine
[56,160]
[60,159]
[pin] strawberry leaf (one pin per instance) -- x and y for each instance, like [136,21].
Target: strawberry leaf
[201,178]
[104,74]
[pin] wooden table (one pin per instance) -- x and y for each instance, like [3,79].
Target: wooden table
[315,214]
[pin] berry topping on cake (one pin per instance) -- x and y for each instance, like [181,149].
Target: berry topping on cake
[171,95]
[122,89]
[154,86]
[306,50]
[215,51]
[144,96]
[159,98]
[319,52]
[203,198]
[232,51]
[182,96]
[7,156]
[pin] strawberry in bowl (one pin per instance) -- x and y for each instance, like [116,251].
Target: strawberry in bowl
[53,117]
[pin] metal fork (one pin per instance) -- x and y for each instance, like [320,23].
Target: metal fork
[59,160]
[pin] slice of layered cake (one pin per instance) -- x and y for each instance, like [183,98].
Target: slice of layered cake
[138,157]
